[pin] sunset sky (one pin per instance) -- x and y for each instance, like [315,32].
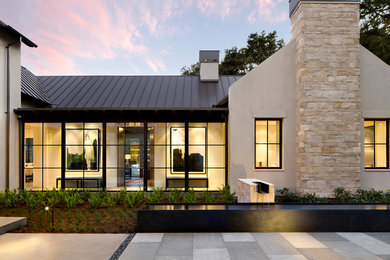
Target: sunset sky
[135,37]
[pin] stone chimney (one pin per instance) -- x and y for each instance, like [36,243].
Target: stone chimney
[209,65]
[326,35]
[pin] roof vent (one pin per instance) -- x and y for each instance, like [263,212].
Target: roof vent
[209,65]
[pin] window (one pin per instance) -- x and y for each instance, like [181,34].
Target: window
[42,155]
[268,140]
[376,144]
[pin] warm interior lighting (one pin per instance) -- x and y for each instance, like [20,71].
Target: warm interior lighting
[121,129]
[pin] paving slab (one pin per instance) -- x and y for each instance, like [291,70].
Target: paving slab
[10,223]
[302,240]
[320,254]
[349,250]
[147,237]
[176,244]
[327,236]
[382,236]
[140,251]
[245,250]
[237,237]
[274,244]
[211,253]
[286,257]
[208,240]
[367,242]
[59,246]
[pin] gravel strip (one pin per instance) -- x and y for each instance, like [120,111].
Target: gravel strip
[122,247]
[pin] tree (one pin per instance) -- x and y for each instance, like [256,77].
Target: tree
[375,27]
[241,61]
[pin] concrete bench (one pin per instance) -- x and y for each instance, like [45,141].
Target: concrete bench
[255,191]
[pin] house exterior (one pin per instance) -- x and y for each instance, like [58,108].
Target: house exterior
[312,117]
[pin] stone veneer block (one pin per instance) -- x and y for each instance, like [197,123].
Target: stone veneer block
[247,192]
[327,95]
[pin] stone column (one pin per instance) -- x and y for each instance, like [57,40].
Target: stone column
[327,94]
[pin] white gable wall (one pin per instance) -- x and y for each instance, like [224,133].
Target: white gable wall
[375,103]
[268,91]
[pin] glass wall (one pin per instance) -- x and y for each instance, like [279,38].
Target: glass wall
[138,155]
[125,156]
[83,155]
[42,155]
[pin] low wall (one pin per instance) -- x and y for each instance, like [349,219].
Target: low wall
[264,218]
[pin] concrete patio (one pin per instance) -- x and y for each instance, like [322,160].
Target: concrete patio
[197,246]
[258,246]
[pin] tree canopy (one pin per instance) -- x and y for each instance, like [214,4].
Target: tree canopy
[241,61]
[375,27]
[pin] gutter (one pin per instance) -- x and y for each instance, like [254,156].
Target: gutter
[8,122]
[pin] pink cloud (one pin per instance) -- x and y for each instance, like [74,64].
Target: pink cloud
[102,30]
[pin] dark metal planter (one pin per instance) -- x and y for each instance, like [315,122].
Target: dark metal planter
[264,218]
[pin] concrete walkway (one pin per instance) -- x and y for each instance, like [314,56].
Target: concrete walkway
[212,246]
[59,246]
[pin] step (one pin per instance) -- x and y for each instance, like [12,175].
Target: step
[10,223]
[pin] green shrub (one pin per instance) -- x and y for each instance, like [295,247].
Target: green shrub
[135,198]
[369,196]
[72,199]
[226,195]
[174,196]
[208,197]
[157,195]
[121,196]
[190,196]
[28,198]
[108,200]
[95,200]
[10,199]
[54,197]
[343,195]
[285,195]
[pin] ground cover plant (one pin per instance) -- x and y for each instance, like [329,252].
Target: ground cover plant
[73,211]
[340,195]
[84,211]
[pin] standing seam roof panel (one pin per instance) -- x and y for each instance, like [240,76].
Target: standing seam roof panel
[171,93]
[98,91]
[64,87]
[148,90]
[68,90]
[83,90]
[116,103]
[152,102]
[75,91]
[131,92]
[91,92]
[109,102]
[107,90]
[162,96]
[178,103]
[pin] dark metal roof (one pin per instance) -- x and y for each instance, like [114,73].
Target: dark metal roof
[134,92]
[17,34]
[32,87]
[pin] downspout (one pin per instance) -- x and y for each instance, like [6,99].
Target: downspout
[8,122]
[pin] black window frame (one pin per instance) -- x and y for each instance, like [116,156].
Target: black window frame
[386,144]
[280,142]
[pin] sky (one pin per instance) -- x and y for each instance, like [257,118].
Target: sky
[135,37]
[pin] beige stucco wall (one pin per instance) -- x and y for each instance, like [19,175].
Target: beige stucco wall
[375,103]
[15,100]
[268,91]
